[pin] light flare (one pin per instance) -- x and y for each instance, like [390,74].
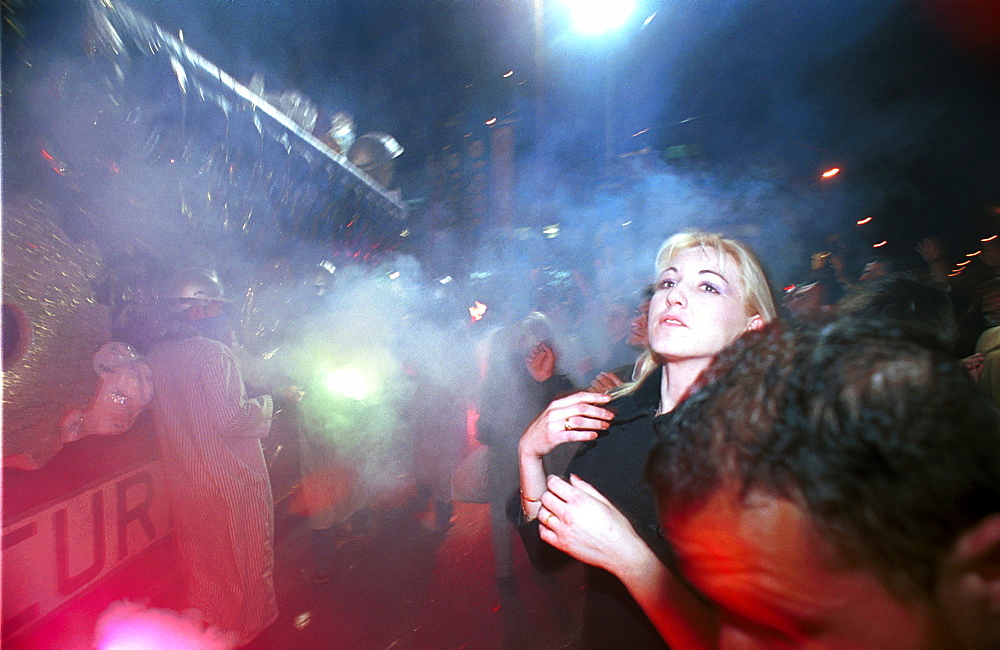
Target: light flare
[830,173]
[477,311]
[349,382]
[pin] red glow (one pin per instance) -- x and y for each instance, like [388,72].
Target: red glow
[47,155]
[830,173]
[128,626]
[789,287]
[988,239]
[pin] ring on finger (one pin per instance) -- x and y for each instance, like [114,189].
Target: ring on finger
[566,424]
[548,518]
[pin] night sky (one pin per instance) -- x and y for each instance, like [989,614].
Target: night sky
[901,95]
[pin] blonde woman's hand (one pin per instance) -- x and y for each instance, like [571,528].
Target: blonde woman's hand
[576,417]
[577,519]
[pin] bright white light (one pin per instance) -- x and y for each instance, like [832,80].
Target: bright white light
[599,16]
[348,382]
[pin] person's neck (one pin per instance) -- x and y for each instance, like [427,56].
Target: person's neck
[678,377]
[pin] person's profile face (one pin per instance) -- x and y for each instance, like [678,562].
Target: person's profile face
[638,334]
[699,306]
[773,582]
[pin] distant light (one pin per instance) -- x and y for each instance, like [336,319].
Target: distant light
[973,254]
[646,130]
[864,221]
[302,620]
[964,263]
[830,173]
[394,275]
[445,280]
[491,121]
[627,223]
[648,20]
[599,16]
[988,239]
[789,288]
[477,311]
[880,244]
[405,233]
[951,275]
[551,231]
[508,73]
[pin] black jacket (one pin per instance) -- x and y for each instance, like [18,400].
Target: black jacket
[615,464]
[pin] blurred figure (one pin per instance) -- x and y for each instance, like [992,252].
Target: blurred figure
[520,381]
[901,297]
[759,480]
[444,375]
[209,435]
[638,343]
[806,303]
[988,344]
[874,270]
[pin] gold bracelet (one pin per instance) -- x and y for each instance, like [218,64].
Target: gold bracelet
[529,499]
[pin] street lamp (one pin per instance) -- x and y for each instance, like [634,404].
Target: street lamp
[599,16]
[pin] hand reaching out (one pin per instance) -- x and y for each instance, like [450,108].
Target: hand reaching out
[604,382]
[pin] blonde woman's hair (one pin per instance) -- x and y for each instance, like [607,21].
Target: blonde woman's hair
[756,290]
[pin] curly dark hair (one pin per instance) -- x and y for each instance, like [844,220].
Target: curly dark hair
[873,431]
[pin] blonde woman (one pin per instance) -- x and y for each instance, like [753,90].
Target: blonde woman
[709,291]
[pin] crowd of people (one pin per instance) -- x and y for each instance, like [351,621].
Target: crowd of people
[730,475]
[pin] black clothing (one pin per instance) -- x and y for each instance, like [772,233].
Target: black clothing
[615,464]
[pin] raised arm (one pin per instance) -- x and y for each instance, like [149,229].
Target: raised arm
[577,417]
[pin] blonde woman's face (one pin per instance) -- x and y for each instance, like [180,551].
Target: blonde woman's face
[699,306]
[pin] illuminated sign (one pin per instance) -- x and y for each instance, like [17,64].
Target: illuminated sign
[59,550]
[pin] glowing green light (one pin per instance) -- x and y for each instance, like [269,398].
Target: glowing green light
[348,382]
